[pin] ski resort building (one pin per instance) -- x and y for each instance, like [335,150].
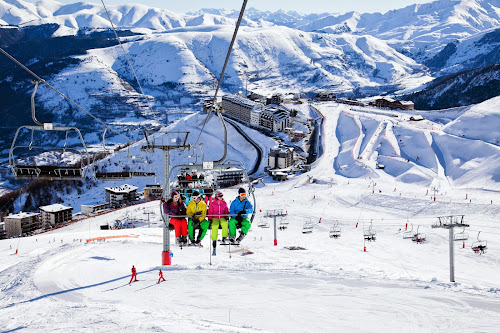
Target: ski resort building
[120,195]
[280,158]
[3,235]
[394,104]
[55,214]
[21,223]
[239,107]
[152,191]
[92,209]
[275,118]
[272,117]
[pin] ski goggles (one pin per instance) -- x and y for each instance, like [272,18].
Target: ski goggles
[243,194]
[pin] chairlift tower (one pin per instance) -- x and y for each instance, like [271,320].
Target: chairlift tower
[275,213]
[176,144]
[449,222]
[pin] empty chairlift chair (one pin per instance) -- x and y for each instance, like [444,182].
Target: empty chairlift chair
[335,230]
[48,152]
[263,223]
[308,227]
[461,236]
[410,234]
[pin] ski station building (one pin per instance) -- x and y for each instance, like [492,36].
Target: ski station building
[55,214]
[272,117]
[21,223]
[120,195]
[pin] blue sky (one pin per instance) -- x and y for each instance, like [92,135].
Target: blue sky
[310,6]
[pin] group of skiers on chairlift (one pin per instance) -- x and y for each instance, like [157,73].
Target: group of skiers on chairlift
[200,217]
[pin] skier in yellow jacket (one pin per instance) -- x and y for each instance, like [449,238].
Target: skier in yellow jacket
[197,210]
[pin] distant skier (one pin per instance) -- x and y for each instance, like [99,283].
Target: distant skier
[175,207]
[161,278]
[197,209]
[239,210]
[134,275]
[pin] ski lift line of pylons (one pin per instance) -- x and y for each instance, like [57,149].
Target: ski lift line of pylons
[129,62]
[70,171]
[40,80]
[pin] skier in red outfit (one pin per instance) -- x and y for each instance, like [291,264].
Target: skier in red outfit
[134,275]
[161,278]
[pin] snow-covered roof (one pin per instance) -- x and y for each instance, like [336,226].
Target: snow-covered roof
[406,102]
[122,189]
[54,208]
[21,215]
[243,101]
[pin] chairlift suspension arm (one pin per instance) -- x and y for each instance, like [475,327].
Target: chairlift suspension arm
[214,103]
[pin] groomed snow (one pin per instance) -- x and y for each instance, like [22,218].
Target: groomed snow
[58,282]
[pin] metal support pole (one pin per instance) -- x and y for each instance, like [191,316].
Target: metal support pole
[166,255]
[452,259]
[275,234]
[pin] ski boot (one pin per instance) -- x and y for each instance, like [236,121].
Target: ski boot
[224,241]
[239,239]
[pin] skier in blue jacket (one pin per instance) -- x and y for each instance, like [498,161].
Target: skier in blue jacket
[239,210]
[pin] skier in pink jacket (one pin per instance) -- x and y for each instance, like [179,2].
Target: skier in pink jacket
[217,213]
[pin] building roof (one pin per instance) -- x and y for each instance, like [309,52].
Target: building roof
[122,189]
[406,102]
[54,208]
[242,101]
[21,215]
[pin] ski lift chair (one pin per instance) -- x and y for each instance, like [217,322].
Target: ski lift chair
[71,161]
[461,236]
[419,237]
[335,230]
[410,234]
[308,227]
[263,223]
[370,234]
[479,246]
[283,223]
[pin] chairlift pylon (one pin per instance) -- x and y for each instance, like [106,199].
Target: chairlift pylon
[65,162]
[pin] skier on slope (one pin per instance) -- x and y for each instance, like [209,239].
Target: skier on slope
[160,278]
[197,209]
[175,207]
[239,210]
[217,212]
[134,275]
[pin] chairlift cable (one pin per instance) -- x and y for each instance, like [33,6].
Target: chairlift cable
[61,94]
[128,61]
[240,17]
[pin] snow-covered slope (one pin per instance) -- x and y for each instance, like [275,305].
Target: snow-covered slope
[392,283]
